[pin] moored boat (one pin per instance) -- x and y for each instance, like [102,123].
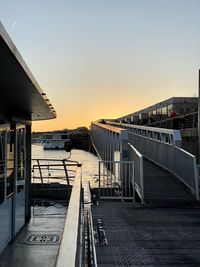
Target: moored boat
[55,140]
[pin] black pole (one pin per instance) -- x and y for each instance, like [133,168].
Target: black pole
[199,115]
[28,175]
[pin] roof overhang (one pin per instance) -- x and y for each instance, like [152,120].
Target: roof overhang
[20,94]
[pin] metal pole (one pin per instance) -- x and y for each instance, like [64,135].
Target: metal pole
[28,174]
[199,114]
[40,171]
[65,169]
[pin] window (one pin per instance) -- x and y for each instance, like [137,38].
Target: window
[10,161]
[21,150]
[170,110]
[159,111]
[164,110]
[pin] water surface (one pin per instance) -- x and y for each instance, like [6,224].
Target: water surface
[88,160]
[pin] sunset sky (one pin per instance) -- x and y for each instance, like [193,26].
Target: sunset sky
[106,58]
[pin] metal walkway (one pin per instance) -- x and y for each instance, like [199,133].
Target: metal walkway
[139,236]
[162,189]
[123,142]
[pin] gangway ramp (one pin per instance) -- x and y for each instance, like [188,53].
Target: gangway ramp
[162,189]
[176,180]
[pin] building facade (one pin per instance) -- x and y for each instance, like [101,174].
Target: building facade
[175,106]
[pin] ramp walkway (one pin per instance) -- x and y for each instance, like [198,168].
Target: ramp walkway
[162,189]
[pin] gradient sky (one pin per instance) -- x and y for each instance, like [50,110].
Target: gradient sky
[106,58]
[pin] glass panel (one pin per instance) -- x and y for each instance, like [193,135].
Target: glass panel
[65,136]
[20,159]
[159,111]
[169,110]
[164,110]
[2,166]
[10,161]
[20,178]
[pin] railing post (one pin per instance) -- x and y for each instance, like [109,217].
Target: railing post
[123,157]
[196,178]
[40,171]
[124,145]
[99,190]
[65,169]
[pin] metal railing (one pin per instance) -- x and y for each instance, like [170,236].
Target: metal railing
[51,185]
[174,159]
[156,144]
[118,183]
[161,134]
[137,158]
[90,249]
[185,168]
[53,170]
[70,252]
[180,122]
[107,139]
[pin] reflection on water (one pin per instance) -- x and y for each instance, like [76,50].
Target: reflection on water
[89,161]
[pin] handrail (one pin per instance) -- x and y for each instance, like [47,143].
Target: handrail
[48,159]
[107,139]
[138,172]
[142,127]
[90,243]
[108,127]
[174,135]
[190,121]
[44,168]
[68,254]
[176,160]
[90,221]
[192,158]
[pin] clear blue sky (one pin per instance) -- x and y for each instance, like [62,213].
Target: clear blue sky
[106,58]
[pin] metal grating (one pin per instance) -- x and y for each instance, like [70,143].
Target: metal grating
[49,208]
[122,249]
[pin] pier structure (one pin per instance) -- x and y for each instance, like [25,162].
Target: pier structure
[157,226]
[160,149]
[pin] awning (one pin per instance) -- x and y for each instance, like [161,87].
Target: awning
[20,94]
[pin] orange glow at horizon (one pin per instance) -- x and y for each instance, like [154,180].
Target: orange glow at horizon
[85,114]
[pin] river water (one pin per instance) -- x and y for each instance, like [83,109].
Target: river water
[88,160]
